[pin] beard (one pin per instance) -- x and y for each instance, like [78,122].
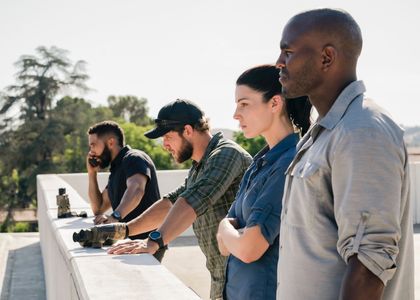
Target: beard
[301,82]
[185,152]
[105,158]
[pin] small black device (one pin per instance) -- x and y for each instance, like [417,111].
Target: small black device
[93,161]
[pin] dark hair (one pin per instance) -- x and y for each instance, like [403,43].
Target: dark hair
[265,79]
[202,126]
[108,127]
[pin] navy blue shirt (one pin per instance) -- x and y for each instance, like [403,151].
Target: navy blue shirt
[258,202]
[128,163]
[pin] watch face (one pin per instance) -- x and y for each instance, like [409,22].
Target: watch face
[116,214]
[154,235]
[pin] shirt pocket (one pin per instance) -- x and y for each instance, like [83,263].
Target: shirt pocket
[303,195]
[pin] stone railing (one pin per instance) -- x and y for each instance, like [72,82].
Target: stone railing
[73,272]
[415,190]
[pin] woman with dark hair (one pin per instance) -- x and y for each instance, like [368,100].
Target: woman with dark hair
[249,234]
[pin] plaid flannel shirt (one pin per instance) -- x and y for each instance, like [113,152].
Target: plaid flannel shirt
[210,189]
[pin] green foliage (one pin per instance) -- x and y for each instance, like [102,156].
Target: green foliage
[253,146]
[40,78]
[19,227]
[130,109]
[134,136]
[51,135]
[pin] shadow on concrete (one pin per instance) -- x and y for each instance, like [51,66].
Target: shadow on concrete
[134,259]
[184,241]
[24,274]
[76,223]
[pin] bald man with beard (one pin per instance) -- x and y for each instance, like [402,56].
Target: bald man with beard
[346,229]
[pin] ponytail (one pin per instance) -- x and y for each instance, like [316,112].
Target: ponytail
[299,112]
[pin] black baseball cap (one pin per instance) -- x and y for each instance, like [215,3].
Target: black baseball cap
[175,114]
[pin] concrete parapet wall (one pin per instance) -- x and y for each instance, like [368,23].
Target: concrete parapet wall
[415,190]
[73,272]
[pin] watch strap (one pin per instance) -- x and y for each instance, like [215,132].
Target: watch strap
[158,240]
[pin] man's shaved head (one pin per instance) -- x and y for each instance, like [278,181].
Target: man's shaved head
[335,27]
[319,53]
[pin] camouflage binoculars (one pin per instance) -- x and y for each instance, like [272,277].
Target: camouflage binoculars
[63,209]
[101,235]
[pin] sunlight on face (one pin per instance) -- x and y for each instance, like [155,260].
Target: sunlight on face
[180,149]
[96,145]
[253,114]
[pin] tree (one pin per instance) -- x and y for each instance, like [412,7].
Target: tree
[40,79]
[51,133]
[253,146]
[134,136]
[130,109]
[76,115]
[27,148]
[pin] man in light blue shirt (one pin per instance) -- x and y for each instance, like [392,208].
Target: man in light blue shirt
[346,229]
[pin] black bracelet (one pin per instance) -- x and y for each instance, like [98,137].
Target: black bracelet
[127,232]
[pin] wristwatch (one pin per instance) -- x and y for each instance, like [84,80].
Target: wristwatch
[156,237]
[116,215]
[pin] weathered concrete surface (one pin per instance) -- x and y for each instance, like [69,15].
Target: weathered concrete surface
[417,260]
[185,259]
[22,276]
[21,270]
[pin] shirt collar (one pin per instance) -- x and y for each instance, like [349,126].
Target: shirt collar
[117,160]
[271,155]
[338,109]
[212,144]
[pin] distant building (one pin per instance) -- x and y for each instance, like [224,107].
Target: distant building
[414,154]
[227,133]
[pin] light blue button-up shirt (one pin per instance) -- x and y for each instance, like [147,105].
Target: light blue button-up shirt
[347,193]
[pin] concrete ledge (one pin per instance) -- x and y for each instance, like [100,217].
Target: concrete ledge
[73,272]
[415,190]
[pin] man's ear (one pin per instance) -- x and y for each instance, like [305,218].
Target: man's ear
[111,141]
[329,55]
[188,130]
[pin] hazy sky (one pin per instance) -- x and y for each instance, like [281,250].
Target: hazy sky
[163,50]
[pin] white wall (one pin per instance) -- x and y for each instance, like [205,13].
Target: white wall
[73,272]
[415,190]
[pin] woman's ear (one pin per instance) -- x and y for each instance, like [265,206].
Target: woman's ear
[277,103]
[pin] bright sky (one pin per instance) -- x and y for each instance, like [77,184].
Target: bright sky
[163,50]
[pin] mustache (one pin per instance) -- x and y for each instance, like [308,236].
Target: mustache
[283,71]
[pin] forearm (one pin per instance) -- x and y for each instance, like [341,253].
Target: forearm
[247,244]
[180,217]
[151,218]
[360,283]
[95,195]
[130,200]
[221,245]
[230,237]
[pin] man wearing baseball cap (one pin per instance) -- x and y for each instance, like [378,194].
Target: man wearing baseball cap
[206,195]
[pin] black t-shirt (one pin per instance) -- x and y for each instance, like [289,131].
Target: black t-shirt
[128,163]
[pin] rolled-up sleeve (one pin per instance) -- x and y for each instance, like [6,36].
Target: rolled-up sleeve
[266,210]
[221,168]
[367,176]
